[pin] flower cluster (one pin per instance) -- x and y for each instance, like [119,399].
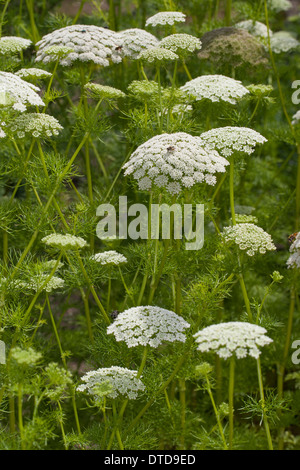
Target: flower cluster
[166,17]
[245,219]
[235,48]
[279,5]
[18,93]
[294,259]
[109,257]
[122,381]
[33,73]
[228,140]
[42,282]
[25,357]
[174,161]
[282,41]
[249,238]
[256,28]
[215,88]
[181,44]
[143,89]
[36,124]
[135,40]
[241,339]
[64,241]
[148,325]
[157,54]
[86,43]
[103,91]
[13,44]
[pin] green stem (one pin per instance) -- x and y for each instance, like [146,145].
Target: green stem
[20,415]
[262,400]
[231,400]
[228,8]
[231,190]
[216,411]
[3,15]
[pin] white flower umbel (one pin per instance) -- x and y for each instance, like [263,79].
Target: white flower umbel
[64,241]
[87,43]
[174,162]
[98,91]
[240,339]
[133,41]
[33,73]
[249,238]
[18,93]
[109,257]
[256,28]
[13,45]
[148,325]
[181,44]
[122,381]
[228,140]
[42,282]
[37,125]
[215,88]
[166,17]
[283,41]
[157,54]
[279,5]
[294,259]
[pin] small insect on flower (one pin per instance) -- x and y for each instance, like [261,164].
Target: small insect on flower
[293,237]
[114,314]
[118,48]
[171,148]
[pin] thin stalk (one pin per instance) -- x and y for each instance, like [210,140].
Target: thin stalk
[262,400]
[231,191]
[228,8]
[3,15]
[216,411]
[231,400]
[61,424]
[182,397]
[20,415]
[79,11]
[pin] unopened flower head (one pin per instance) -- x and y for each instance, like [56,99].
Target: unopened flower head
[37,125]
[18,93]
[133,41]
[157,54]
[64,241]
[122,382]
[215,88]
[25,357]
[166,18]
[181,44]
[86,43]
[103,91]
[13,44]
[148,325]
[232,140]
[240,339]
[174,162]
[33,73]
[249,238]
[283,41]
[245,219]
[109,257]
[256,28]
[142,89]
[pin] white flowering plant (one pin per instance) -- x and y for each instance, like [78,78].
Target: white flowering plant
[149,225]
